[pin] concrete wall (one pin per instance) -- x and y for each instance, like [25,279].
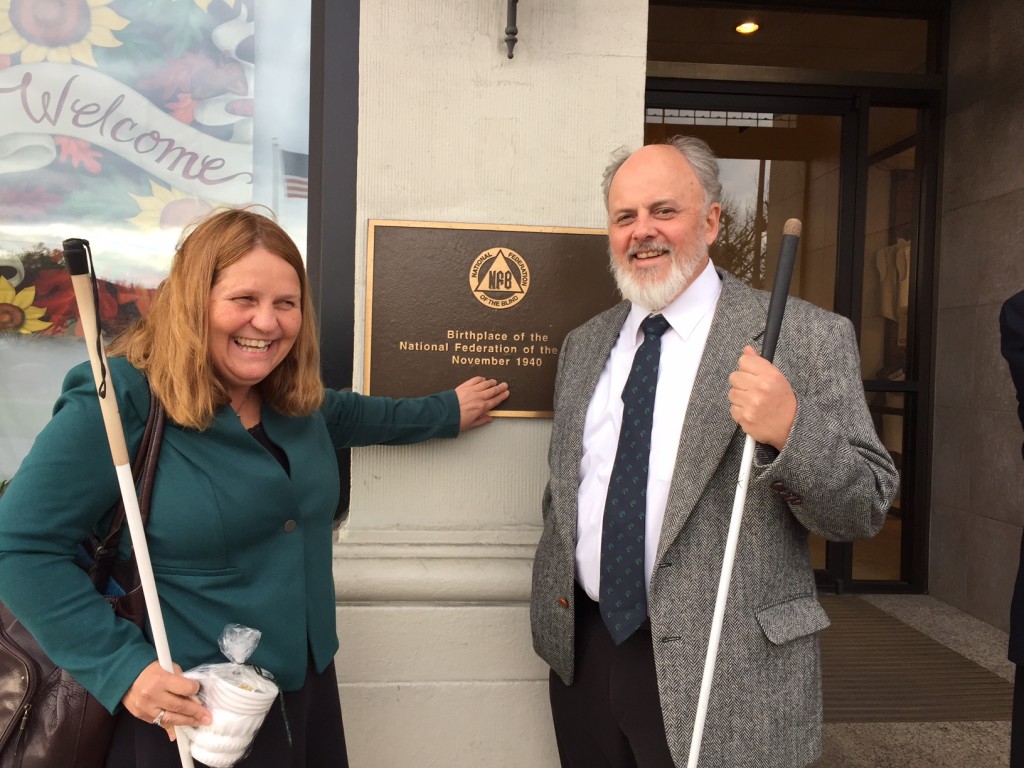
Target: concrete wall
[432,569]
[977,510]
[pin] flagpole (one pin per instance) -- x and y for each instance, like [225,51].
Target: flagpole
[277,177]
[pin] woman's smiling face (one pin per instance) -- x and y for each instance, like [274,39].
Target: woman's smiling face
[255,315]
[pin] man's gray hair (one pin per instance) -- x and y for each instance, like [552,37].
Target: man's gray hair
[697,153]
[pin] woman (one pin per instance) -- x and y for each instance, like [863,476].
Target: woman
[246,487]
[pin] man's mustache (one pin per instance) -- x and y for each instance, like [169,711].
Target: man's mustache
[650,246]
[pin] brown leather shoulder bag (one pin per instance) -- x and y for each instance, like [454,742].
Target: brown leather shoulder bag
[48,720]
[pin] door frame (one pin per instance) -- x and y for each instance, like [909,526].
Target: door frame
[852,103]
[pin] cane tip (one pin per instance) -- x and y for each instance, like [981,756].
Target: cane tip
[791,227]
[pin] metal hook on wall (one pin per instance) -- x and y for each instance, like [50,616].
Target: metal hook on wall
[511,30]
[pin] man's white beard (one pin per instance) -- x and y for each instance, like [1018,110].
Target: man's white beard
[652,293]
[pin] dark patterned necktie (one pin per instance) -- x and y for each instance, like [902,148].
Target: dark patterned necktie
[623,585]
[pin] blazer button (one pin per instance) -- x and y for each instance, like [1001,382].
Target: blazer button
[290,526]
[563,602]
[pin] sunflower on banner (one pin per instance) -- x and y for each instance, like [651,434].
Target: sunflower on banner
[125,118]
[58,31]
[36,296]
[16,311]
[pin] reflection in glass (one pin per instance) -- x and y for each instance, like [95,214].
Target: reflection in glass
[827,41]
[816,544]
[879,559]
[888,244]
[156,122]
[773,167]
[886,309]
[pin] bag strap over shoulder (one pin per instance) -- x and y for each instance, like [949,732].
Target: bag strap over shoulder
[143,472]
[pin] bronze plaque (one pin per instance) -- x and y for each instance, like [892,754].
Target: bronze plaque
[445,302]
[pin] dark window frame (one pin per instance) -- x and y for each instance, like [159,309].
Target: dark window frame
[331,238]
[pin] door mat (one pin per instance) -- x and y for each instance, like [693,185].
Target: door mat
[875,668]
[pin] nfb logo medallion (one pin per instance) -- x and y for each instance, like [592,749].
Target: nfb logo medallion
[499,278]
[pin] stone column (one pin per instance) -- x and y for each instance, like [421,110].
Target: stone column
[433,566]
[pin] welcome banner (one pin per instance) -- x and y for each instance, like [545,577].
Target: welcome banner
[117,110]
[42,101]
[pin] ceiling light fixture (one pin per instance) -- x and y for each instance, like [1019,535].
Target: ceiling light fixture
[747,27]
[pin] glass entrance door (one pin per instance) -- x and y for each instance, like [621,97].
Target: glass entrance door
[774,166]
[888,311]
[853,179]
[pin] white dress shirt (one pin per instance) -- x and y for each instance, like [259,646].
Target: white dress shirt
[682,346]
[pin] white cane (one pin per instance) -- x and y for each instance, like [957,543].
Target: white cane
[776,308]
[78,258]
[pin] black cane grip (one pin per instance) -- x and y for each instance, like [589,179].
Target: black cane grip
[780,288]
[76,256]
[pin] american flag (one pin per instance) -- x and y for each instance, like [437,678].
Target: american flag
[296,174]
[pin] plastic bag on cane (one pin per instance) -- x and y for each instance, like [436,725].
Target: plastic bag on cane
[238,696]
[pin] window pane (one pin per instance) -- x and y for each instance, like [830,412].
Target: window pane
[888,243]
[786,166]
[787,39]
[880,558]
[121,129]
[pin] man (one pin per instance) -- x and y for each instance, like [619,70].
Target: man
[1011,335]
[625,696]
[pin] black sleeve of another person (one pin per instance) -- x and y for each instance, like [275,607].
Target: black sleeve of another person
[1011,336]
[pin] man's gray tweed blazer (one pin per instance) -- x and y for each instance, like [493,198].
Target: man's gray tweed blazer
[765,707]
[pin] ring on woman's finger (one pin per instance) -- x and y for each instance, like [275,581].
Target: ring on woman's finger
[159,719]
